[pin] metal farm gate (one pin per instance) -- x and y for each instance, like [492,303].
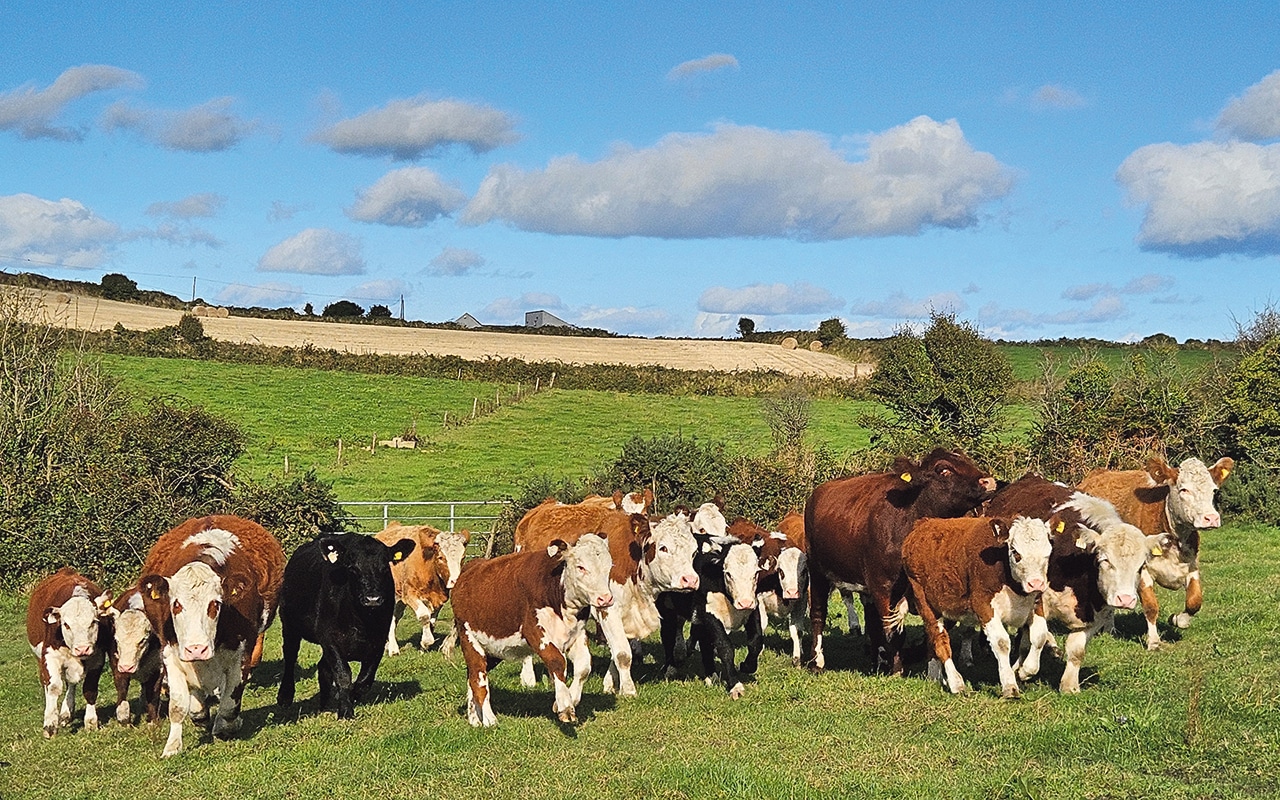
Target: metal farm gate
[477,516]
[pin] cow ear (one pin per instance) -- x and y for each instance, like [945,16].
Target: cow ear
[905,469]
[1156,543]
[1000,529]
[757,543]
[648,498]
[1160,471]
[155,588]
[103,603]
[640,526]
[52,615]
[1221,470]
[718,500]
[427,537]
[557,548]
[401,550]
[465,534]
[617,499]
[235,585]
[1087,540]
[1056,525]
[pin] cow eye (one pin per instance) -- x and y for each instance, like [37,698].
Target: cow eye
[944,472]
[663,549]
[177,607]
[214,607]
[582,569]
[1017,557]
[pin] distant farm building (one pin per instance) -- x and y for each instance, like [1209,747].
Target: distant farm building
[543,319]
[468,321]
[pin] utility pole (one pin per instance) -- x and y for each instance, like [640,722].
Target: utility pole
[193,288]
[402,308]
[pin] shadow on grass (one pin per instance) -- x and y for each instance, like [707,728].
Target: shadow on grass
[536,702]
[381,692]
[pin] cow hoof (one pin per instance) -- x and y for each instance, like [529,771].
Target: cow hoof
[1153,646]
[628,691]
[1182,621]
[709,680]
[225,729]
[123,714]
[737,691]
[393,651]
[347,712]
[284,698]
[90,723]
[1011,693]
[795,661]
[64,719]
[568,716]
[49,731]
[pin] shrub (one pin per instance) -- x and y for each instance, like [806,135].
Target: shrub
[746,326]
[379,312]
[119,287]
[190,329]
[295,509]
[832,331]
[1253,398]
[787,413]
[343,308]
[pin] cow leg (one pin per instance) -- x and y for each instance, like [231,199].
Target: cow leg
[819,594]
[324,672]
[255,657]
[618,678]
[889,648]
[755,643]
[941,666]
[795,619]
[288,680]
[227,721]
[580,656]
[851,609]
[426,616]
[151,694]
[52,694]
[1001,645]
[179,701]
[563,706]
[1077,641]
[124,715]
[1195,598]
[340,671]
[479,710]
[92,677]
[1150,607]
[671,628]
[528,678]
[368,669]
[68,702]
[393,644]
[1038,634]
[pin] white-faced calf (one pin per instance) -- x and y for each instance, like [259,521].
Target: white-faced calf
[69,630]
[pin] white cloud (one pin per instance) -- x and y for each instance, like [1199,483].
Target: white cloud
[971,288]
[62,232]
[205,204]
[1149,283]
[411,197]
[510,310]
[740,181]
[1054,96]
[282,212]
[30,111]
[1206,199]
[206,128]
[627,319]
[455,261]
[777,298]
[183,235]
[711,63]
[315,251]
[381,290]
[899,306]
[1255,115]
[716,326]
[270,294]
[409,129]
[1087,291]
[1107,308]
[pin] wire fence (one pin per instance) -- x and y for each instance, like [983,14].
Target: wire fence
[477,516]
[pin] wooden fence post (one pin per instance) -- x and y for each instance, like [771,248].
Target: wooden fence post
[339,452]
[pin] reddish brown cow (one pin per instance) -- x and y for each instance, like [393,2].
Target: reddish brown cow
[854,528]
[531,602]
[425,577]
[746,531]
[69,630]
[792,525]
[1174,501]
[210,589]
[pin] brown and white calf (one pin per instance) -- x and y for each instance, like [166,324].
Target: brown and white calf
[425,577]
[1174,501]
[210,588]
[533,602]
[976,570]
[783,586]
[709,519]
[69,630]
[135,655]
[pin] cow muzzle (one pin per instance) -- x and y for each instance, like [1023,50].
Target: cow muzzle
[197,652]
[1126,601]
[371,600]
[791,594]
[690,581]
[1033,585]
[603,600]
[1213,520]
[989,484]
[745,603]
[82,651]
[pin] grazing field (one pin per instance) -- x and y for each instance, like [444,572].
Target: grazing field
[1028,360]
[1199,718]
[302,413]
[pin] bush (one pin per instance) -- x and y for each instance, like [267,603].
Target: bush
[832,331]
[379,312]
[787,413]
[1253,493]
[1254,402]
[746,327]
[343,308]
[119,287]
[190,329]
[295,509]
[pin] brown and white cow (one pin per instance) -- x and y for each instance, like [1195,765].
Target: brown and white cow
[783,586]
[535,601]
[210,588]
[425,577]
[985,571]
[709,519]
[854,529]
[135,655]
[69,630]
[1093,568]
[1178,502]
[647,560]
[630,502]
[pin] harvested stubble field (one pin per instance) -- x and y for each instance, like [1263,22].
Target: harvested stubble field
[90,313]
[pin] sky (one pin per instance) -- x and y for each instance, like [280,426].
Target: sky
[1042,170]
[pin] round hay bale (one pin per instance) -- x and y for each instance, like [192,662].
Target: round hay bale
[222,312]
[790,343]
[816,345]
[200,311]
[62,299]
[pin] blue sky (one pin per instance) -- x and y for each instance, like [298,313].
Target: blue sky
[1106,170]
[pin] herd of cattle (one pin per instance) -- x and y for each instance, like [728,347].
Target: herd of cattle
[937,537]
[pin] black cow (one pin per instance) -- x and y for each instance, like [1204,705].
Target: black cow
[338,592]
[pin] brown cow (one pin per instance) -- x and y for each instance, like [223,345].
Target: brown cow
[632,503]
[988,571]
[534,601]
[854,528]
[135,656]
[69,630]
[425,577]
[210,588]
[783,586]
[1179,502]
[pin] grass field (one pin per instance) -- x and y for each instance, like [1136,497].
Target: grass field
[1200,718]
[1028,360]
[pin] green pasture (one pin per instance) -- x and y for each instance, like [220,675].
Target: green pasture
[1028,360]
[1198,719]
[302,413]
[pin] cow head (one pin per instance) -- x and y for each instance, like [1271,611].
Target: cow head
[741,572]
[943,484]
[1029,543]
[709,520]
[191,600]
[1121,551]
[450,549]
[791,564]
[363,565]
[633,503]
[669,555]
[132,632]
[1191,487]
[76,621]
[585,574]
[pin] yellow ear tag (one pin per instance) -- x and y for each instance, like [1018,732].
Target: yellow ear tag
[1155,551]
[235,592]
[154,594]
[332,557]
[107,604]
[1062,526]
[1225,473]
[906,477]
[398,555]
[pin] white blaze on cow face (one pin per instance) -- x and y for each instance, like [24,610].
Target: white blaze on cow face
[709,520]
[586,573]
[741,568]
[451,547]
[77,619]
[1121,552]
[793,572]
[132,629]
[1029,548]
[670,553]
[195,601]
[1191,488]
[635,502]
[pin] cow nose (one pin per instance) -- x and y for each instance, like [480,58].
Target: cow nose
[196,652]
[82,650]
[791,594]
[1126,601]
[745,603]
[604,600]
[1213,520]
[372,600]
[127,669]
[1035,585]
[689,582]
[988,483]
